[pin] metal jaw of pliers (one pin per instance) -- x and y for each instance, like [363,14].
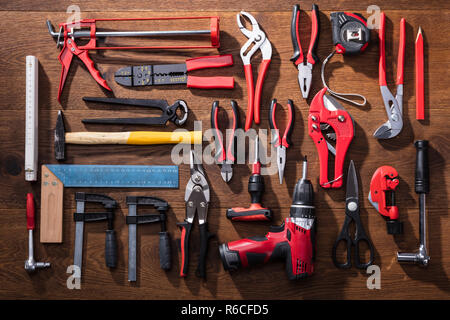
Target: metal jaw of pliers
[225,156]
[305,67]
[325,112]
[258,38]
[169,112]
[394,106]
[281,143]
[197,200]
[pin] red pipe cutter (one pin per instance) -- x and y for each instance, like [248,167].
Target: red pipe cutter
[326,113]
[384,181]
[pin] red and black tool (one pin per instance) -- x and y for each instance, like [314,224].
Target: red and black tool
[256,212]
[87,29]
[382,197]
[305,66]
[325,114]
[166,74]
[281,143]
[225,156]
[294,241]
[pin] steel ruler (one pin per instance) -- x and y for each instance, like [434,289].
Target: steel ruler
[31,119]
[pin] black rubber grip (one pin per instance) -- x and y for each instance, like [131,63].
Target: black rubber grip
[315,15]
[291,126]
[256,187]
[263,214]
[204,237]
[422,181]
[294,32]
[164,251]
[111,249]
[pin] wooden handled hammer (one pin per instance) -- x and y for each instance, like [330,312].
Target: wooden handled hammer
[135,137]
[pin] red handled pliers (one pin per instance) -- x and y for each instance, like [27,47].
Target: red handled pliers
[258,38]
[281,143]
[225,156]
[305,67]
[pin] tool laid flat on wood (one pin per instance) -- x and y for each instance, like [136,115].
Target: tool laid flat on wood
[225,155]
[80,217]
[57,176]
[169,112]
[383,184]
[85,29]
[132,138]
[393,106]
[420,81]
[326,113]
[281,143]
[255,212]
[165,74]
[31,118]
[133,220]
[352,215]
[196,198]
[306,63]
[258,39]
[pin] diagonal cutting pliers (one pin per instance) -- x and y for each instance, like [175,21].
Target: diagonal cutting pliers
[169,112]
[197,201]
[394,106]
[258,38]
[281,143]
[305,67]
[225,156]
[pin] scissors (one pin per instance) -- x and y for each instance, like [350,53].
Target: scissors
[352,215]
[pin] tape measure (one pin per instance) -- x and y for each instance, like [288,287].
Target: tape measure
[31,119]
[350,32]
[115,176]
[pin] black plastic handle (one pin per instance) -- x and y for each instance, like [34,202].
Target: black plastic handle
[314,41]
[111,249]
[422,180]
[290,124]
[298,54]
[164,251]
[204,237]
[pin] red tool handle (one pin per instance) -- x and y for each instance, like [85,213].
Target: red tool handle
[30,211]
[382,62]
[209,62]
[65,58]
[314,41]
[210,82]
[185,233]
[401,52]
[297,57]
[420,93]
[286,139]
[84,56]
[259,85]
[255,212]
[251,95]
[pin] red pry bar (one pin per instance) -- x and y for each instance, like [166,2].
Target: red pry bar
[420,110]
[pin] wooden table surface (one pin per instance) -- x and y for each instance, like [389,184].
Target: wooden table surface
[23,32]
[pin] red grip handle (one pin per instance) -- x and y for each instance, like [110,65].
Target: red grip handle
[210,82]
[209,62]
[30,211]
[420,98]
[259,84]
[382,63]
[251,95]
[84,56]
[401,52]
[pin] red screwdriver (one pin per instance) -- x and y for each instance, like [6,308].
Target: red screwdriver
[256,212]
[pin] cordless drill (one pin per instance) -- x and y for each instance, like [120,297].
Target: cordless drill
[293,241]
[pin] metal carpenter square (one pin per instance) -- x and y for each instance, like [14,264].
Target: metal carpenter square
[116,176]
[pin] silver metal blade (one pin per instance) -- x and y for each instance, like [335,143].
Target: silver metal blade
[375,204]
[226,171]
[132,245]
[79,231]
[352,182]
[281,163]
[304,79]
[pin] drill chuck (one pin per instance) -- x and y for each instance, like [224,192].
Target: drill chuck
[303,197]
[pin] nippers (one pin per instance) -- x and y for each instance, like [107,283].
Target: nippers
[225,156]
[169,112]
[165,74]
[197,200]
[281,143]
[258,38]
[326,113]
[305,67]
[394,106]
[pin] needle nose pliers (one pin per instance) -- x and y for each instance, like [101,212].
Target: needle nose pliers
[394,106]
[225,156]
[258,38]
[197,200]
[281,143]
[305,67]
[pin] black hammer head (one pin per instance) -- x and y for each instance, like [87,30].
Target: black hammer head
[60,139]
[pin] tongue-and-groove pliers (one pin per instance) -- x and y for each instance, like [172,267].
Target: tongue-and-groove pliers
[305,67]
[258,38]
